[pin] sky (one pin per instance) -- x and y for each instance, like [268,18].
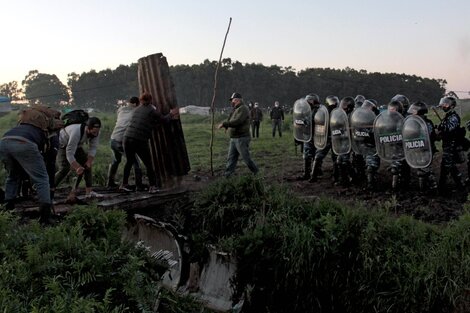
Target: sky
[427,38]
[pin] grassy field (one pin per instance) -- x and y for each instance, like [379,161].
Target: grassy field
[274,156]
[270,154]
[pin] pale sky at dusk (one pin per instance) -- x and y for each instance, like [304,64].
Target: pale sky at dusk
[429,38]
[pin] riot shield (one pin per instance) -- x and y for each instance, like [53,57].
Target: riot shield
[416,142]
[362,134]
[340,136]
[321,121]
[302,117]
[388,137]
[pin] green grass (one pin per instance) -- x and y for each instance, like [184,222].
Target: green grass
[272,155]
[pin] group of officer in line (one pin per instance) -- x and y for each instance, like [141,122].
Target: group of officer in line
[361,134]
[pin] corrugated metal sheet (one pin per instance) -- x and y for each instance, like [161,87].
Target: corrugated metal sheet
[169,153]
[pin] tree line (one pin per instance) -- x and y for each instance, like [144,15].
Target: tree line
[194,85]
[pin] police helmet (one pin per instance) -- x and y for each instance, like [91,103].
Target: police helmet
[313,97]
[368,105]
[447,102]
[347,104]
[418,108]
[396,106]
[403,99]
[332,100]
[359,99]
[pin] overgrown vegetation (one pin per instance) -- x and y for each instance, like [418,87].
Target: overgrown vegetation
[81,265]
[297,256]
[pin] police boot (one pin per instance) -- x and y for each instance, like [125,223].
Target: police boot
[442,186]
[405,175]
[457,177]
[316,167]
[359,166]
[307,169]
[111,176]
[431,181]
[344,174]
[395,177]
[52,195]
[371,181]
[336,173]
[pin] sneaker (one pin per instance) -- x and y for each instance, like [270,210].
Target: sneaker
[154,189]
[125,188]
[93,194]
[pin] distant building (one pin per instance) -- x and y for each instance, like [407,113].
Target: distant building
[193,109]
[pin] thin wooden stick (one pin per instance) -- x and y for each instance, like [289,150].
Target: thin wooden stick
[213,99]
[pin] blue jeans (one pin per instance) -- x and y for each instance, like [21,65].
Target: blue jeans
[18,155]
[239,147]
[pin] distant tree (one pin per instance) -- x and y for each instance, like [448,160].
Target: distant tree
[44,89]
[101,90]
[11,90]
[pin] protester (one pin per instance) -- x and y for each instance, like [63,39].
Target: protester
[277,116]
[124,115]
[20,149]
[256,116]
[136,139]
[238,126]
[72,155]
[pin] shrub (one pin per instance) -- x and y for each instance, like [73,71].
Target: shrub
[81,265]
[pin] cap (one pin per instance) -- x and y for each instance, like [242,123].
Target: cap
[93,122]
[235,95]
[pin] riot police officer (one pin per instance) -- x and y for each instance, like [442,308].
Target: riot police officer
[426,177]
[309,149]
[447,131]
[346,172]
[332,102]
[399,169]
[372,160]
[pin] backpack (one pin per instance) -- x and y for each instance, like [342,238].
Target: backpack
[75,117]
[42,117]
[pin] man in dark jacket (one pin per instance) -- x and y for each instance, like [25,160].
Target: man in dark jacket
[256,116]
[238,125]
[277,116]
[136,139]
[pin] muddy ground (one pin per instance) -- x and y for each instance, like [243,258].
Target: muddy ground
[428,206]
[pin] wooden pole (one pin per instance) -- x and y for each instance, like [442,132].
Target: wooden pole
[213,99]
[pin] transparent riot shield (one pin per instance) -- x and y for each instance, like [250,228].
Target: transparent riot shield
[416,142]
[362,134]
[321,121]
[339,128]
[302,117]
[388,137]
